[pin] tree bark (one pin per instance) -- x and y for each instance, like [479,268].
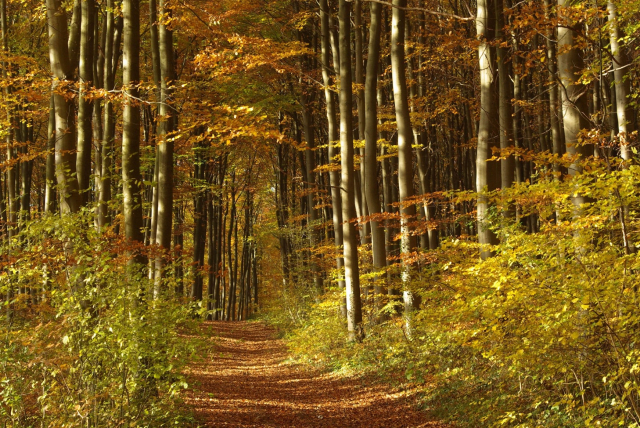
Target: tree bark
[50,197]
[332,131]
[505,111]
[484,174]
[65,153]
[556,139]
[109,128]
[371,150]
[350,249]
[131,177]
[85,104]
[625,114]
[574,100]
[165,143]
[405,152]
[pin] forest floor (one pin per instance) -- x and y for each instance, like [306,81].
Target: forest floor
[247,381]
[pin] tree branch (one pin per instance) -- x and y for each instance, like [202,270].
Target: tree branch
[421,9]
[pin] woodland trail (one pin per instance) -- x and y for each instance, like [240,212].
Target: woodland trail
[245,381]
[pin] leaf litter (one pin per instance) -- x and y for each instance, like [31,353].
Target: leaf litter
[247,381]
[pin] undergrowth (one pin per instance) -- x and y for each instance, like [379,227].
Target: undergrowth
[82,342]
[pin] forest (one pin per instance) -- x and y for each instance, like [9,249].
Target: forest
[441,196]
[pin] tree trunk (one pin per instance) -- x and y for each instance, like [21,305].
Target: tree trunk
[556,139]
[625,115]
[484,171]
[75,34]
[371,150]
[351,275]
[574,100]
[131,177]
[65,153]
[165,143]
[360,80]
[200,225]
[405,152]
[85,105]
[505,112]
[50,197]
[109,128]
[332,132]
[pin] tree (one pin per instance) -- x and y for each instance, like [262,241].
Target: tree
[487,177]
[371,147]
[131,122]
[405,153]
[351,271]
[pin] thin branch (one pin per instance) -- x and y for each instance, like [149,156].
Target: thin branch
[421,9]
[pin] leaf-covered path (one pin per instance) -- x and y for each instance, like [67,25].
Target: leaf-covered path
[246,382]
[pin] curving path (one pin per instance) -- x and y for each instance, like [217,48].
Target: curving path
[245,382]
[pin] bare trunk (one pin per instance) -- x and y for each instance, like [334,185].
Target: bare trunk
[85,105]
[574,100]
[371,149]
[332,131]
[626,118]
[351,271]
[65,153]
[108,130]
[505,111]
[405,152]
[556,139]
[50,197]
[131,177]
[165,143]
[487,110]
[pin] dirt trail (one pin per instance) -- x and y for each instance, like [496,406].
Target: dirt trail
[245,382]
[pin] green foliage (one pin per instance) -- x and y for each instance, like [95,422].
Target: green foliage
[82,342]
[545,333]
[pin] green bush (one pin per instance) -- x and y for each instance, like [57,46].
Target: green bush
[82,342]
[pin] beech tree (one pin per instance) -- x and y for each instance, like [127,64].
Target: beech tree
[347,182]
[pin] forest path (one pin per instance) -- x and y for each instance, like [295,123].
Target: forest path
[245,381]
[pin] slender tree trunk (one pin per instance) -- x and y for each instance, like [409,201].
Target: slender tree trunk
[371,150]
[178,245]
[232,224]
[157,77]
[351,275]
[332,133]
[165,143]
[12,205]
[405,152]
[65,153]
[131,177]
[99,41]
[574,100]
[487,110]
[212,254]
[50,197]
[200,226]
[75,34]
[360,80]
[109,127]
[26,168]
[626,118]
[85,104]
[505,112]
[310,165]
[556,139]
